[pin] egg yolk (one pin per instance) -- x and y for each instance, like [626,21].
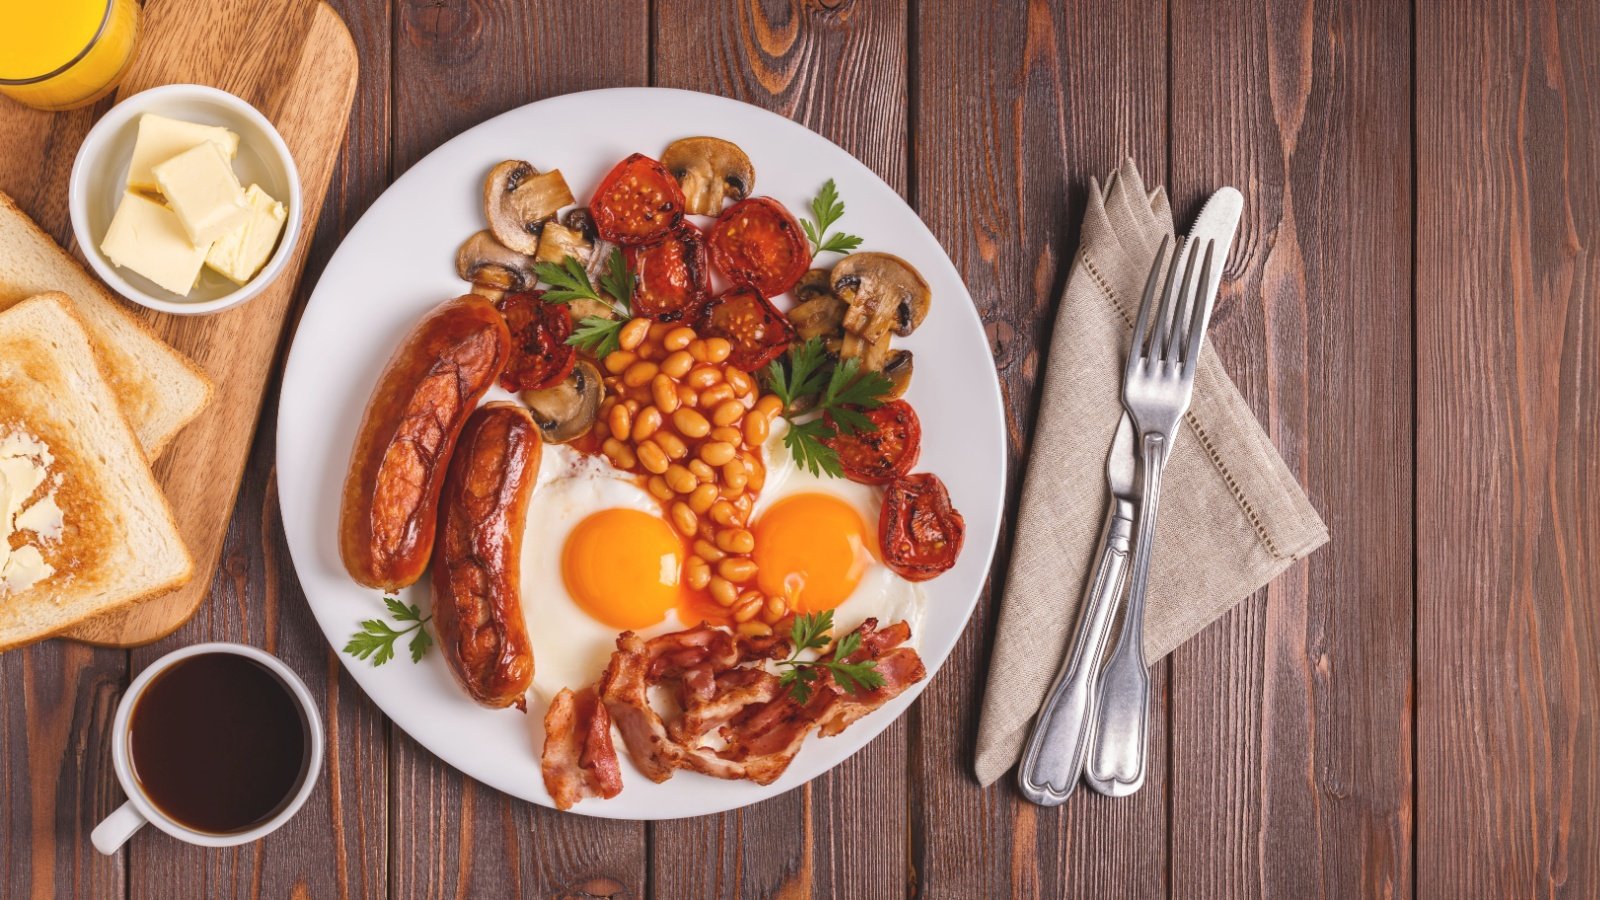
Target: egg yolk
[621,567]
[812,550]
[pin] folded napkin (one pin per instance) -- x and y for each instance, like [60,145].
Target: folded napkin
[1232,515]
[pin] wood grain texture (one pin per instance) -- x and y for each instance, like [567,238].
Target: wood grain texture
[302,75]
[1508,417]
[454,66]
[1003,161]
[839,69]
[1291,718]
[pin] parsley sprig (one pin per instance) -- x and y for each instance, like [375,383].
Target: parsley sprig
[843,392]
[376,638]
[568,282]
[810,632]
[826,208]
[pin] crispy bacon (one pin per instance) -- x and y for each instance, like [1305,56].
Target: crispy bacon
[624,690]
[900,668]
[579,759]
[734,690]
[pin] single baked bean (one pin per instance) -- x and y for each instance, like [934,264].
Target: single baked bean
[776,607]
[708,551]
[671,444]
[696,573]
[657,486]
[769,405]
[735,475]
[646,423]
[738,379]
[690,423]
[716,453]
[711,396]
[717,349]
[665,394]
[621,421]
[678,364]
[633,334]
[727,434]
[746,608]
[736,540]
[722,512]
[758,475]
[619,453]
[618,360]
[727,413]
[737,569]
[639,374]
[678,338]
[723,591]
[681,480]
[683,517]
[753,629]
[701,498]
[703,377]
[688,396]
[651,456]
[756,429]
[742,505]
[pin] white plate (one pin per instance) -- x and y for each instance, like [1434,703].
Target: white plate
[399,261]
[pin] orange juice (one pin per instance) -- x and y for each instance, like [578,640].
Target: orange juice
[57,54]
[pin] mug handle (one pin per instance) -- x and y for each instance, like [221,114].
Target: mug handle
[115,829]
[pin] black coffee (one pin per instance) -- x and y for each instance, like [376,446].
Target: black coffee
[218,742]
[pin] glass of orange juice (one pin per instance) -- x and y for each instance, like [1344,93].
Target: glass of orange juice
[58,54]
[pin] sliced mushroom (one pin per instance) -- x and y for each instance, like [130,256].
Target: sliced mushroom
[557,242]
[579,219]
[877,356]
[898,370]
[884,292]
[489,264]
[814,283]
[518,201]
[709,169]
[821,316]
[566,411]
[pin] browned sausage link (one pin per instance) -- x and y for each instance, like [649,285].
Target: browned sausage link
[477,601]
[432,382]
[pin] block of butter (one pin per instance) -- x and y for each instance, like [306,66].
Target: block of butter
[147,237]
[242,252]
[201,188]
[161,138]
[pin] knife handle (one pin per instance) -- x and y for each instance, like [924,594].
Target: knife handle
[1116,765]
[1053,758]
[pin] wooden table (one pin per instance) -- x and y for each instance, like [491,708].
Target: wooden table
[1412,311]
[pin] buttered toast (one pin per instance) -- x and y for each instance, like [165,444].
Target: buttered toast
[83,526]
[158,388]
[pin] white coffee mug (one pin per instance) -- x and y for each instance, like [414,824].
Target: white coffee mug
[115,830]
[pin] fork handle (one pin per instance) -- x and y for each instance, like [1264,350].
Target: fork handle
[1053,759]
[1120,745]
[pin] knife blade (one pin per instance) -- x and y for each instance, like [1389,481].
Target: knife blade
[1054,756]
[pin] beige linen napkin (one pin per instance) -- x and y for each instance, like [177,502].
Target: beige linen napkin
[1232,515]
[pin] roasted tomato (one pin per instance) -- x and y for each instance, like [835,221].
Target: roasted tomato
[638,202]
[919,532]
[757,242]
[672,276]
[879,457]
[540,354]
[758,332]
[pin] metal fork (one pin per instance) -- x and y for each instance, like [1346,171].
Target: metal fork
[1157,385]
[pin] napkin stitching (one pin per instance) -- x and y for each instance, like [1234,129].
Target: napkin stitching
[1206,443]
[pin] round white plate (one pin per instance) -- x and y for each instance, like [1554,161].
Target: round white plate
[399,261]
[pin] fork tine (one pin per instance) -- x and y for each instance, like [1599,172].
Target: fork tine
[1136,345]
[1197,325]
[1161,327]
[1183,306]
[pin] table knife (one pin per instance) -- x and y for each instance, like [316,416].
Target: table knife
[1053,758]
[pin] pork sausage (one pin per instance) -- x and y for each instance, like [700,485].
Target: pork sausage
[477,598]
[431,384]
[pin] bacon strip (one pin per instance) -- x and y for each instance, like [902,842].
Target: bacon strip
[579,759]
[624,690]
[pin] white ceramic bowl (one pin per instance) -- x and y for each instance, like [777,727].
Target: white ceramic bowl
[99,179]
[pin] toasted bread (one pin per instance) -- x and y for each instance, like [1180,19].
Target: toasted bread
[117,542]
[158,388]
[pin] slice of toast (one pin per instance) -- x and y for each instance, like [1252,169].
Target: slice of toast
[115,541]
[158,387]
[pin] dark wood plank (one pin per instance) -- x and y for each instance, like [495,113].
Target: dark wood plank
[1508,416]
[839,69]
[1004,150]
[456,65]
[1291,769]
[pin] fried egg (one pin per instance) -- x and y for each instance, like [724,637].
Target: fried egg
[817,544]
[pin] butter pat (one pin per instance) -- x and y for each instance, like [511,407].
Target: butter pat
[242,252]
[161,138]
[201,188]
[24,464]
[148,238]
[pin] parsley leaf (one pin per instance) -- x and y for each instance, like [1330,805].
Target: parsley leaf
[810,632]
[597,335]
[567,279]
[376,638]
[843,392]
[618,282]
[826,208]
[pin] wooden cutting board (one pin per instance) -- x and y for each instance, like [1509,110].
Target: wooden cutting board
[293,60]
